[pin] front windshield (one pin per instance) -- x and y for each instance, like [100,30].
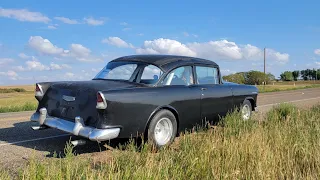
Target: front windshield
[130,71]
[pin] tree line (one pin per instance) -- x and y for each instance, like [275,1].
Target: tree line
[258,78]
[251,77]
[308,74]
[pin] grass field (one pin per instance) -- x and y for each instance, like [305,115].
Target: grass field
[18,101]
[25,101]
[286,145]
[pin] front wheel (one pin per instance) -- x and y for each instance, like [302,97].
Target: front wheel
[162,129]
[246,110]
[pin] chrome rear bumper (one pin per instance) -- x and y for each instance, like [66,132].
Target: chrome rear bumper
[76,128]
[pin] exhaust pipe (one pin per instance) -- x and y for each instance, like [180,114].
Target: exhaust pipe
[78,142]
[36,128]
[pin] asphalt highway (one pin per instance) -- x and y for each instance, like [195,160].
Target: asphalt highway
[18,142]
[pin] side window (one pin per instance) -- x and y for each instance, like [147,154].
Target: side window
[207,75]
[179,76]
[150,74]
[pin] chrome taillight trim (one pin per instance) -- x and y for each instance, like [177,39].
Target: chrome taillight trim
[103,104]
[39,93]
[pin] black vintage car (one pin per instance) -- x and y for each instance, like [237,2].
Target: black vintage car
[157,96]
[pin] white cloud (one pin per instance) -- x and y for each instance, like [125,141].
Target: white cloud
[10,74]
[24,15]
[69,75]
[222,49]
[54,66]
[124,24]
[44,46]
[116,41]
[140,34]
[23,56]
[36,65]
[94,22]
[66,20]
[165,46]
[213,50]
[4,61]
[52,27]
[317,52]
[77,51]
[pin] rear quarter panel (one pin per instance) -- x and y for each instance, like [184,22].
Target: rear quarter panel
[132,108]
[242,92]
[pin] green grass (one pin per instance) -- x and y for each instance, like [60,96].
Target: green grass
[27,106]
[276,88]
[285,146]
[11,90]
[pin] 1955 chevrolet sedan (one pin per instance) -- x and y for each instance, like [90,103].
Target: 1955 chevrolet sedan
[157,96]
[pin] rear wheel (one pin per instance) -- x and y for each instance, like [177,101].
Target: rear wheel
[246,110]
[162,129]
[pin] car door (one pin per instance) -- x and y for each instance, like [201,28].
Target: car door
[216,98]
[184,96]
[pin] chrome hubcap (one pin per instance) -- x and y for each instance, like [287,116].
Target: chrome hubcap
[246,112]
[163,131]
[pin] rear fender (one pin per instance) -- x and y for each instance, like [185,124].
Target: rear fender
[167,107]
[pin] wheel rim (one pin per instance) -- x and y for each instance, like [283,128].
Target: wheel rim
[246,112]
[163,131]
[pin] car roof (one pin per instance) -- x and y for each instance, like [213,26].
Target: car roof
[166,62]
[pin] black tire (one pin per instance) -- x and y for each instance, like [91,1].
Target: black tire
[246,104]
[162,114]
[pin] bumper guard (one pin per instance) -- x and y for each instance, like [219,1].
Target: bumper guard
[76,128]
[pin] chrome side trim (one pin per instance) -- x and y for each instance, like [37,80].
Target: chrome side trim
[76,128]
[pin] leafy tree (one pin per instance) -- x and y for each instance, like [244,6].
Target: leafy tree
[286,76]
[251,77]
[256,77]
[236,78]
[295,75]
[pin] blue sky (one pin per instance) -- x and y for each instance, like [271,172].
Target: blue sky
[73,40]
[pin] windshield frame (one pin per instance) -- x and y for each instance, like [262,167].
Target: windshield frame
[136,74]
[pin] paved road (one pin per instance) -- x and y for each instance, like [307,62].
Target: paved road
[18,142]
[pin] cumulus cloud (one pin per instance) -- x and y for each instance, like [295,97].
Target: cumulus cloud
[23,56]
[52,27]
[221,49]
[10,74]
[5,61]
[66,20]
[214,50]
[94,22]
[24,15]
[118,42]
[54,66]
[317,52]
[165,46]
[35,65]
[45,47]
[69,75]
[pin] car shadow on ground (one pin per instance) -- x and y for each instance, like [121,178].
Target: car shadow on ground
[51,142]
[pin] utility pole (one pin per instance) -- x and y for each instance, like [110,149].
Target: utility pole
[264,67]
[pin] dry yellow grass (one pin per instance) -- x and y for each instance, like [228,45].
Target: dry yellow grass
[18,101]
